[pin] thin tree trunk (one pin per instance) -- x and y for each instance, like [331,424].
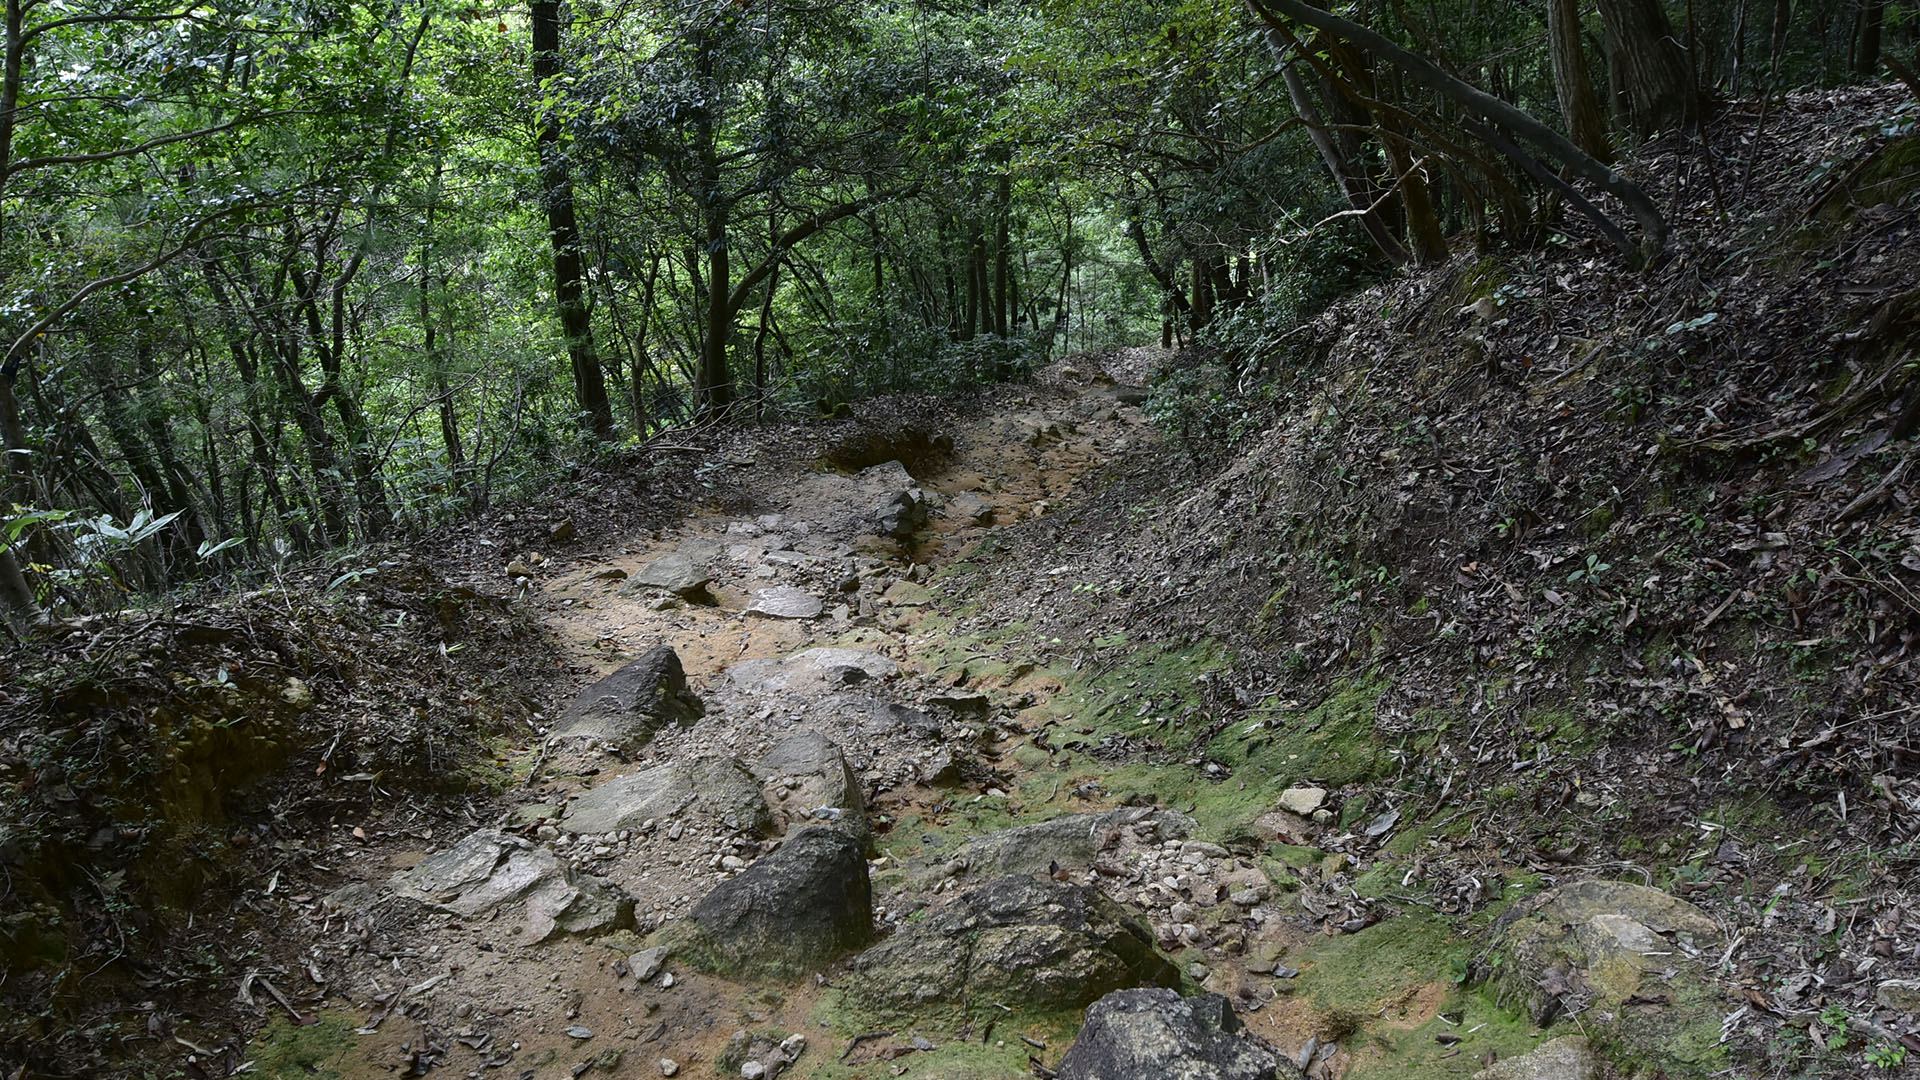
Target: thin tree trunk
[1002,206]
[1579,104]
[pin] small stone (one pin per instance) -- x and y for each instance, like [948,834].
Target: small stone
[1303,800]
[297,694]
[1900,995]
[752,1070]
[793,1046]
[1323,817]
[647,962]
[578,1032]
[518,569]
[733,862]
[923,1044]
[1198,971]
[669,1067]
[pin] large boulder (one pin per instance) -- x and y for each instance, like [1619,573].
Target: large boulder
[1132,1034]
[807,782]
[1632,961]
[790,913]
[489,871]
[719,789]
[1024,942]
[1068,842]
[628,706]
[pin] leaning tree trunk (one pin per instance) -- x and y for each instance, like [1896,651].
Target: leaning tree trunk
[1477,102]
[1655,76]
[1579,103]
[1350,186]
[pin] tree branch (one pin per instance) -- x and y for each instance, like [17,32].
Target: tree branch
[787,240]
[10,363]
[128,151]
[1482,104]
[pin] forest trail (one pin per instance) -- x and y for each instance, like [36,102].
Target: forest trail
[849,650]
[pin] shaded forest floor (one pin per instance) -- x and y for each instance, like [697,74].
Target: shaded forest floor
[1536,569]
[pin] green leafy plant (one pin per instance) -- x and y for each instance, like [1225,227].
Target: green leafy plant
[1592,569]
[1886,1056]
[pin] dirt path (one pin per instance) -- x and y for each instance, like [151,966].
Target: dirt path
[408,991]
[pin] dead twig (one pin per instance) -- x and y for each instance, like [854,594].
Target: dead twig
[864,1036]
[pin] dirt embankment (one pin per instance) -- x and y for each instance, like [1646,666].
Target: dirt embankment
[1626,565]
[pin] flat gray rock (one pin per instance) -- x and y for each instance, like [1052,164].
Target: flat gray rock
[700,550]
[1157,1033]
[1070,842]
[489,871]
[717,788]
[786,602]
[811,672]
[1566,1058]
[673,572]
[1633,962]
[970,508]
[1028,943]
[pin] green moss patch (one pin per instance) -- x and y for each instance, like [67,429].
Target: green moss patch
[314,1052]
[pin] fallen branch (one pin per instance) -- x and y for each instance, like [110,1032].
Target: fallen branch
[860,1038]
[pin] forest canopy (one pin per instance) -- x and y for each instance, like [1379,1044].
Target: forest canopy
[276,278]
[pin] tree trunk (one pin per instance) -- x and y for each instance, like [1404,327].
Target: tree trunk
[970,317]
[1202,289]
[1490,108]
[1873,17]
[556,183]
[1354,190]
[1002,205]
[1579,104]
[713,389]
[1655,75]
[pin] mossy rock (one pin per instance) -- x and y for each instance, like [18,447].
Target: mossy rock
[1631,960]
[1888,175]
[1031,944]
[789,914]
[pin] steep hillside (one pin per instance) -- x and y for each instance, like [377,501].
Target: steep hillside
[1613,572]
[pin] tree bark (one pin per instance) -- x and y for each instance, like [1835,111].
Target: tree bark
[1579,103]
[1655,75]
[556,183]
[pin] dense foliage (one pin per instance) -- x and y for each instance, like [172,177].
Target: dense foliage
[281,277]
